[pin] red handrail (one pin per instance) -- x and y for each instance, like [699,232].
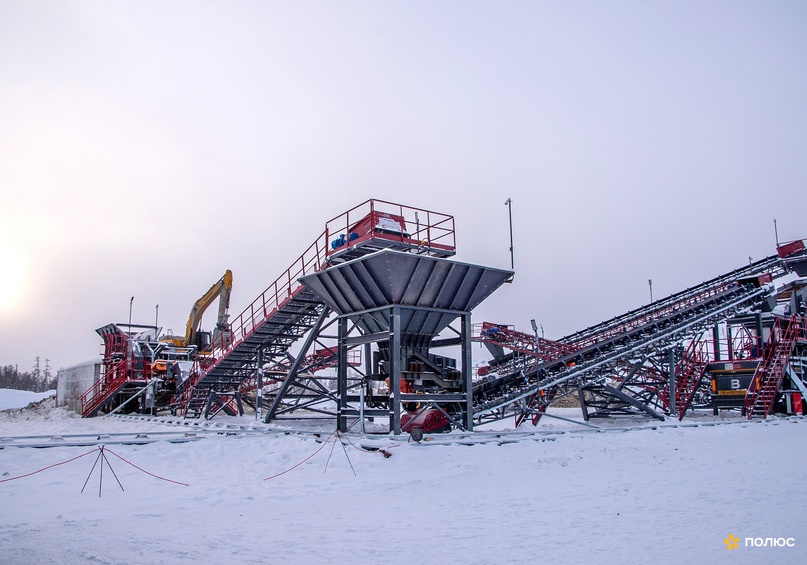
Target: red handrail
[771,369]
[436,233]
[689,372]
[115,376]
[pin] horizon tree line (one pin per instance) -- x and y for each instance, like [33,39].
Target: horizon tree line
[36,380]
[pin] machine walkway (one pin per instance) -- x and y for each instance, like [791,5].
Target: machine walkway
[286,311]
[539,371]
[667,306]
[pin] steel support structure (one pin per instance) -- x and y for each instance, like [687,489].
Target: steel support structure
[398,348]
[286,311]
[294,371]
[614,359]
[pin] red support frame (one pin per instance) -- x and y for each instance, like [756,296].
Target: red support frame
[433,233]
[118,369]
[382,220]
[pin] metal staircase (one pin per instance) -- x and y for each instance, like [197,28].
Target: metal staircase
[689,375]
[115,378]
[271,324]
[287,311]
[761,395]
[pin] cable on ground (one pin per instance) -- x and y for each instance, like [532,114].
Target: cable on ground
[48,467]
[146,472]
[304,460]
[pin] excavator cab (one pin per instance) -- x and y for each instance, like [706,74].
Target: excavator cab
[193,335]
[203,341]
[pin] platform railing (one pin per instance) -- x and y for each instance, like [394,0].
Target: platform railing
[432,231]
[115,376]
[667,309]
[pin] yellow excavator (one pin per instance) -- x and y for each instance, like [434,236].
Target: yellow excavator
[193,334]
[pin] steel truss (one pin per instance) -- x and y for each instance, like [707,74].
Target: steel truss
[386,350]
[618,359]
[397,353]
[393,306]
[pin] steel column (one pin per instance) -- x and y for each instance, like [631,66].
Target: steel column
[341,375]
[259,386]
[671,360]
[716,341]
[395,368]
[466,334]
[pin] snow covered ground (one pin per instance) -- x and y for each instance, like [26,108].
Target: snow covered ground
[660,494]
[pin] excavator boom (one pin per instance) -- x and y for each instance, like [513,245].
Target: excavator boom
[220,290]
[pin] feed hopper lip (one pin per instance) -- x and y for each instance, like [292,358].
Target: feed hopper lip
[431,291]
[387,278]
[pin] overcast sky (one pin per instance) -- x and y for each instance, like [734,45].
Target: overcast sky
[146,147]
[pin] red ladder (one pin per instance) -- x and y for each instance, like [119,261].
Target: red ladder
[689,375]
[541,398]
[771,370]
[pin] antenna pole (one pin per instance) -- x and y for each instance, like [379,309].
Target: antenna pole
[509,204]
[776,231]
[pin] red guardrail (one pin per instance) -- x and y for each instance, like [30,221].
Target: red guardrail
[378,219]
[114,377]
[434,231]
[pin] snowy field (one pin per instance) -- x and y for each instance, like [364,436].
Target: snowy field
[660,494]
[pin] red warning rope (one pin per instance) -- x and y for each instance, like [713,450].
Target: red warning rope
[48,467]
[144,471]
[324,443]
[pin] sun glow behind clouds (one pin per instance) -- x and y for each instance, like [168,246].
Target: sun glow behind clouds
[11,279]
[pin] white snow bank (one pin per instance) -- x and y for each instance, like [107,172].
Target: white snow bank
[21,398]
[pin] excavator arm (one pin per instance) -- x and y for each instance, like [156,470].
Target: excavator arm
[220,290]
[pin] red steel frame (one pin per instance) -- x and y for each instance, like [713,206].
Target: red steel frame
[434,233]
[773,365]
[508,336]
[118,370]
[689,374]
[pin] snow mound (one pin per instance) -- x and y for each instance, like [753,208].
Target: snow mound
[42,409]
[12,398]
